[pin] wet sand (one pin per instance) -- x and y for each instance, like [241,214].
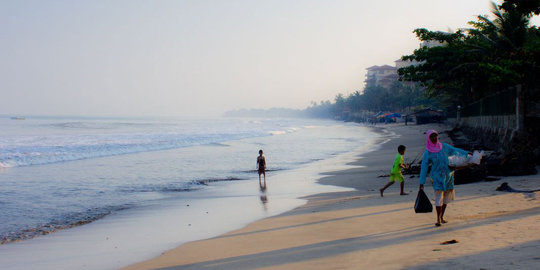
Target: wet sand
[359,229]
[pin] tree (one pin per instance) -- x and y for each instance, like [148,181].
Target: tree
[527,7]
[339,104]
[473,63]
[354,101]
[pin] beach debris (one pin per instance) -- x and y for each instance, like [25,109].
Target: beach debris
[45,229]
[517,156]
[505,187]
[414,166]
[412,169]
[449,242]
[457,162]
[436,249]
[476,157]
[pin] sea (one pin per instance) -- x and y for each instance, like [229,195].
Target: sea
[101,193]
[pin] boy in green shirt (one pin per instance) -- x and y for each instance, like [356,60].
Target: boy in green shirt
[396,171]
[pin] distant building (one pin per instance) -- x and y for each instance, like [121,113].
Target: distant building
[383,76]
[430,43]
[386,75]
[402,63]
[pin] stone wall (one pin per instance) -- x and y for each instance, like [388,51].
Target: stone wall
[494,132]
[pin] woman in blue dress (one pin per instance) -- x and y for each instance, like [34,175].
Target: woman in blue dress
[436,155]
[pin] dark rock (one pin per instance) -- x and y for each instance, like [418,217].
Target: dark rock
[469,175]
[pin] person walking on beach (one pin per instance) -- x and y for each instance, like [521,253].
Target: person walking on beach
[396,174]
[436,155]
[261,165]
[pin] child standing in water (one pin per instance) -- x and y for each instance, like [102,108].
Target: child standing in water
[261,165]
[395,174]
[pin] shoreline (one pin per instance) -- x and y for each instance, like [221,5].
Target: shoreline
[358,228]
[141,233]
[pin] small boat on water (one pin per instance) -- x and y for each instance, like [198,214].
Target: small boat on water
[18,118]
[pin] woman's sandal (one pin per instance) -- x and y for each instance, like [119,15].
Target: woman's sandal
[438,224]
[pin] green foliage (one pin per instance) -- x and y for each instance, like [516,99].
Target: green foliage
[468,65]
[473,63]
[397,98]
[526,7]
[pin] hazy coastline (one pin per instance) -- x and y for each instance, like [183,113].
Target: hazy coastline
[358,228]
[172,215]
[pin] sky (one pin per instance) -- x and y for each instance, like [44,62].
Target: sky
[203,57]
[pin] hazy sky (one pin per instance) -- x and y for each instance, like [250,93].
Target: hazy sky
[202,57]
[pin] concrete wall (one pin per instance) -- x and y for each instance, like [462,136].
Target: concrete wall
[494,131]
[493,123]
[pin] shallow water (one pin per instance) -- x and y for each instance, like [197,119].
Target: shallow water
[63,172]
[147,193]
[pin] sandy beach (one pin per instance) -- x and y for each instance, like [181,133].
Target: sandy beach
[361,230]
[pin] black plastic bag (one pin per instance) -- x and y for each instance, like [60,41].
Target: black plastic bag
[422,204]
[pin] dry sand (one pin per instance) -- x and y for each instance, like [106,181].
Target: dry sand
[361,230]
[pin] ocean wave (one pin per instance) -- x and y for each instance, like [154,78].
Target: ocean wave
[59,198]
[212,180]
[187,186]
[277,132]
[55,141]
[162,188]
[90,125]
[39,151]
[283,132]
[5,165]
[80,125]
[219,144]
[60,222]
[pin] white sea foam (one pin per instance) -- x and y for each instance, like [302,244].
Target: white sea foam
[5,165]
[25,149]
[110,177]
[277,132]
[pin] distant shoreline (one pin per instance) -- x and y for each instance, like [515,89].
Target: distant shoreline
[170,217]
[358,229]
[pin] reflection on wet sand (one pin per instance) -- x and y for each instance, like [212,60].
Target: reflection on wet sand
[264,198]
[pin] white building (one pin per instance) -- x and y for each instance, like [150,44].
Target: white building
[386,75]
[430,43]
[381,76]
[402,63]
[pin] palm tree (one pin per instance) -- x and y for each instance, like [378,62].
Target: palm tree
[497,49]
[506,33]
